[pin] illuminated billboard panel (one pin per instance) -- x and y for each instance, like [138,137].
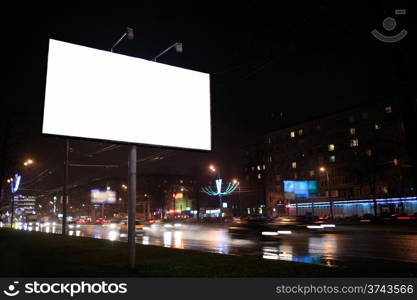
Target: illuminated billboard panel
[103,197]
[97,94]
[298,189]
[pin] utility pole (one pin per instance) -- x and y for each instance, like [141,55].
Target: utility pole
[65,192]
[131,206]
[12,215]
[312,207]
[329,195]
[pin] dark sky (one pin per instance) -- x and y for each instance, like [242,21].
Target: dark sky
[301,59]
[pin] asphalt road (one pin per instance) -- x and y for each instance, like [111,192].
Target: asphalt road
[320,248]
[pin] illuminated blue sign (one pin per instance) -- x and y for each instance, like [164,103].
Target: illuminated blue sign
[294,189]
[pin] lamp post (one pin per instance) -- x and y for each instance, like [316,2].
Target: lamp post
[64,189]
[217,171]
[10,180]
[324,170]
[236,181]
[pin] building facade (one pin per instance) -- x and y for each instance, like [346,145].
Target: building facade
[358,157]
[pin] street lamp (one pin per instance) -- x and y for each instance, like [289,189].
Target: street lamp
[236,181]
[324,170]
[28,162]
[213,169]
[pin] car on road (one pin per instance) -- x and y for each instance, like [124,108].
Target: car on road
[73,224]
[257,229]
[122,225]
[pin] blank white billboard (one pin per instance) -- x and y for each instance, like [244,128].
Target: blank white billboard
[97,94]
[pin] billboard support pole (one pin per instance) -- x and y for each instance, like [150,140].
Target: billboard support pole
[64,189]
[131,206]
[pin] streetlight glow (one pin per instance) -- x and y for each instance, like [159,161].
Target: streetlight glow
[212,168]
[28,162]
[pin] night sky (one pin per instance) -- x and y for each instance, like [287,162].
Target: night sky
[297,60]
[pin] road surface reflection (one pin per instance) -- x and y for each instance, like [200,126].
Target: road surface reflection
[328,248]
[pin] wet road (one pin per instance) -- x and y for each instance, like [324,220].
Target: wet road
[321,248]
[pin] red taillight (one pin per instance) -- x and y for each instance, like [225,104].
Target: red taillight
[406,218]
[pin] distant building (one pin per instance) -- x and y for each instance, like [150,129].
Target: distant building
[252,185]
[361,151]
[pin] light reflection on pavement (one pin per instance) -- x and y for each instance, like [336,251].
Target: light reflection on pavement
[328,249]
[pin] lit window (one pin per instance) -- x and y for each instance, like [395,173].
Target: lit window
[269,140]
[300,132]
[270,159]
[354,143]
[312,172]
[292,134]
[294,165]
[295,176]
[331,147]
[352,131]
[263,167]
[377,126]
[395,161]
[258,167]
[388,109]
[332,158]
[369,152]
[259,176]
